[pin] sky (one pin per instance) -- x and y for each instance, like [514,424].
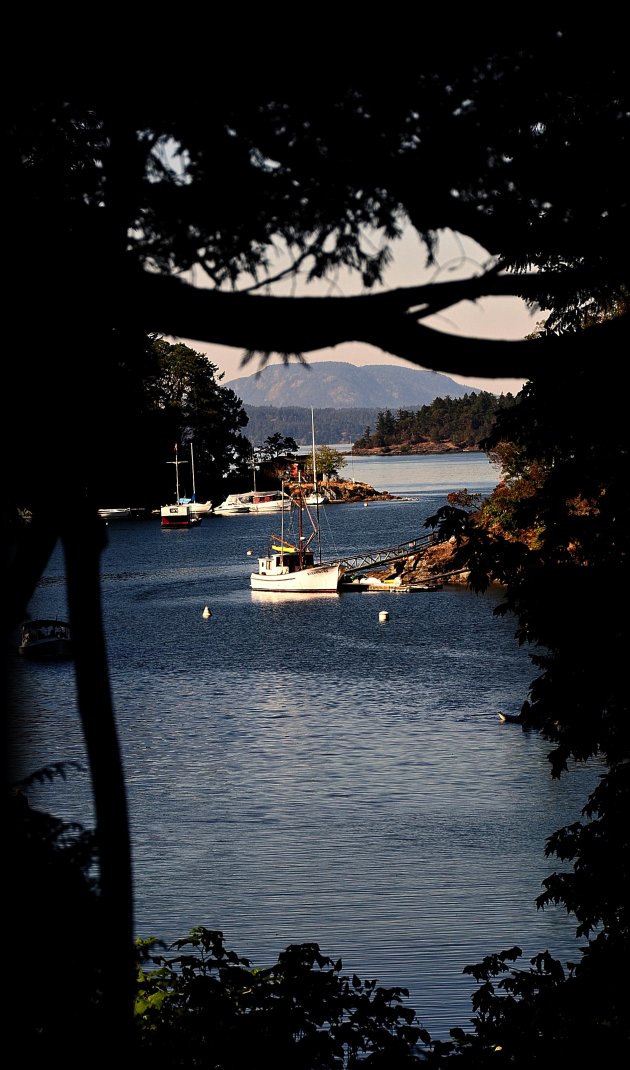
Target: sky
[493,317]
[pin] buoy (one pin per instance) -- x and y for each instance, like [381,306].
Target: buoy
[249,553]
[206,613]
[383,615]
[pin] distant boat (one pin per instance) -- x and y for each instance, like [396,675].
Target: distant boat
[316,497]
[197,508]
[45,639]
[255,501]
[114,514]
[180,514]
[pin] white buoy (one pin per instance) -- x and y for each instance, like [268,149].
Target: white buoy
[383,615]
[249,553]
[206,613]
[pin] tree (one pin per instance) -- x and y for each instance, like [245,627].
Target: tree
[133,196]
[277,445]
[328,462]
[194,407]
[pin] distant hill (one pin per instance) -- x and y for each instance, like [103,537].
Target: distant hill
[338,385]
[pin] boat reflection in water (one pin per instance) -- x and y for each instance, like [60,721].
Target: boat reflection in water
[278,597]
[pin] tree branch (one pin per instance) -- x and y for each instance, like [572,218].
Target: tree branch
[388,321]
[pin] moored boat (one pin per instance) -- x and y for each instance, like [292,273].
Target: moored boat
[180,514]
[45,639]
[290,567]
[255,501]
[114,514]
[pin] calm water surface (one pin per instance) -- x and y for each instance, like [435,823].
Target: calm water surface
[299,770]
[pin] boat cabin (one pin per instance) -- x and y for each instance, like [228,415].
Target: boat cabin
[282,564]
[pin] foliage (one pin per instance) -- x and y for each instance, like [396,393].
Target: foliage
[463,421]
[277,445]
[328,462]
[554,533]
[187,404]
[207,1006]
[53,1001]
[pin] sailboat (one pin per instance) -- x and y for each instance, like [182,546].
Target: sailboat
[316,498]
[197,508]
[180,514]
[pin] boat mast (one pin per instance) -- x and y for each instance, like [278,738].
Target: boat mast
[300,536]
[177,463]
[282,528]
[319,543]
[192,466]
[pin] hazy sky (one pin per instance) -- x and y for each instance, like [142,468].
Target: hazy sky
[496,317]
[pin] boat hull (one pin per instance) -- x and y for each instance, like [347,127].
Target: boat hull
[319,578]
[178,516]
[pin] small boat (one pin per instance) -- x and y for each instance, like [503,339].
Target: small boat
[180,514]
[255,501]
[45,639]
[316,497]
[234,503]
[197,508]
[114,514]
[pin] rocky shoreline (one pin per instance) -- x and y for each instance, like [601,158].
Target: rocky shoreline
[413,449]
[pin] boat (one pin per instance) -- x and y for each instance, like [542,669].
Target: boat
[290,567]
[114,514]
[197,508]
[234,503]
[45,639]
[357,582]
[179,514]
[255,501]
[316,497]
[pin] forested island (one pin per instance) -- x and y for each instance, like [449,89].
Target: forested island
[447,425]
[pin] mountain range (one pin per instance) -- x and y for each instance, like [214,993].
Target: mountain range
[338,385]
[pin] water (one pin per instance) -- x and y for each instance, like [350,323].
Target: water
[299,770]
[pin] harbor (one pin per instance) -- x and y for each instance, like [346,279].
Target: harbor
[302,769]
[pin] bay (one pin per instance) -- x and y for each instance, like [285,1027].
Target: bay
[299,770]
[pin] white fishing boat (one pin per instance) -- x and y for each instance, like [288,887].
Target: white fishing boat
[179,514]
[291,567]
